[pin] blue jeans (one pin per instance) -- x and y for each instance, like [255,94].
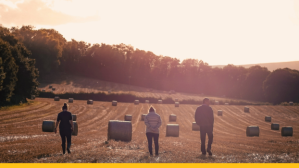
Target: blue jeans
[203,131]
[150,137]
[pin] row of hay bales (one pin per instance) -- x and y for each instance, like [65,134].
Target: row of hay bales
[122,130]
[49,125]
[218,103]
[172,130]
[71,100]
[177,104]
[114,102]
[254,130]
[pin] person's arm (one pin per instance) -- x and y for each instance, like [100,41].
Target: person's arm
[197,117]
[212,116]
[57,122]
[72,124]
[71,121]
[146,122]
[159,123]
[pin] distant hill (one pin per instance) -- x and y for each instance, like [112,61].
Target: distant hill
[271,66]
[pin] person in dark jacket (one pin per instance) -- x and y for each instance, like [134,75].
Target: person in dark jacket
[204,117]
[66,127]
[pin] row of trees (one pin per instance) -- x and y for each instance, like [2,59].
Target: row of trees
[18,74]
[124,64]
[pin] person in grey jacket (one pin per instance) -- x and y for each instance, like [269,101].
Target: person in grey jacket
[152,121]
[204,117]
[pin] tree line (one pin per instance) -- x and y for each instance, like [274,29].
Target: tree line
[122,63]
[18,74]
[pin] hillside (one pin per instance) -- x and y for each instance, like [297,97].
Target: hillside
[74,84]
[271,66]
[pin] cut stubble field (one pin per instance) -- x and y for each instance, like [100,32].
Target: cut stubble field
[22,139]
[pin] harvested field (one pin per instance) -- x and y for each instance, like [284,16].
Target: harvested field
[22,139]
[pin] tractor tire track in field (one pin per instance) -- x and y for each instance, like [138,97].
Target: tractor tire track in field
[23,140]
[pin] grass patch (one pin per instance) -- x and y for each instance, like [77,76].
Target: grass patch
[22,105]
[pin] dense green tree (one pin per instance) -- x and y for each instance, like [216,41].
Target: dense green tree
[27,74]
[2,74]
[282,86]
[253,84]
[18,75]
[46,46]
[10,69]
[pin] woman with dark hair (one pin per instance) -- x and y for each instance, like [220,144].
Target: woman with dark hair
[66,127]
[152,121]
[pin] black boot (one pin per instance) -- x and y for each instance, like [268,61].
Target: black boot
[63,149]
[68,147]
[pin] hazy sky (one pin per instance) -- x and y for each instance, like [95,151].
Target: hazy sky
[215,31]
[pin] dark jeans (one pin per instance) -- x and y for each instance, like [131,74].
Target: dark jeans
[150,137]
[203,131]
[68,135]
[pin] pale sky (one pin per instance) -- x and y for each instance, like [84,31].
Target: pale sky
[218,32]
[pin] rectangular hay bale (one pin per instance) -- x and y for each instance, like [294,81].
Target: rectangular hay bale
[267,118]
[89,101]
[75,131]
[195,127]
[128,117]
[114,103]
[172,130]
[71,100]
[220,113]
[274,126]
[56,98]
[74,116]
[252,131]
[287,131]
[120,130]
[48,126]
[246,109]
[172,118]
[176,104]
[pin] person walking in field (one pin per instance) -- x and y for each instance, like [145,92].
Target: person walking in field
[152,121]
[204,117]
[66,127]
